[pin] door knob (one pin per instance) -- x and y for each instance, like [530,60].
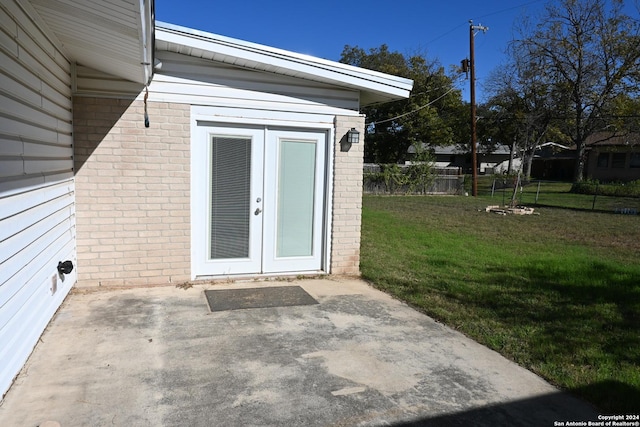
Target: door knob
[257,211]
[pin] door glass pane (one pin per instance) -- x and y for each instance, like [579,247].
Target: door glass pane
[230,197]
[296,183]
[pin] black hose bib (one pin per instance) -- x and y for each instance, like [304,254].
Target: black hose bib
[65,267]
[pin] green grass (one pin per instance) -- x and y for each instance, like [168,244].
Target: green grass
[558,292]
[556,194]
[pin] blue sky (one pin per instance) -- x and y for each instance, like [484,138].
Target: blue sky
[437,29]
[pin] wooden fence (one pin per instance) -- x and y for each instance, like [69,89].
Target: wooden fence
[443,181]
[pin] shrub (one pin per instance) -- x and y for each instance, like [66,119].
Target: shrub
[585,187]
[415,178]
[620,189]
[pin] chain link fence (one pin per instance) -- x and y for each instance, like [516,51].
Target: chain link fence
[619,198]
[616,198]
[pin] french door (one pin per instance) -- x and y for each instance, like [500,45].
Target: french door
[259,201]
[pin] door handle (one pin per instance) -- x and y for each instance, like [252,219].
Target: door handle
[257,211]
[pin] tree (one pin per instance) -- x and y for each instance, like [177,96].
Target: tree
[623,114]
[589,54]
[520,108]
[428,116]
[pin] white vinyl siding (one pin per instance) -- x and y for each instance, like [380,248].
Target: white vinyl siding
[91,82]
[195,81]
[371,86]
[198,81]
[37,201]
[35,104]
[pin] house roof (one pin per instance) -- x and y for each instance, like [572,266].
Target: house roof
[111,36]
[373,86]
[459,149]
[553,145]
[608,139]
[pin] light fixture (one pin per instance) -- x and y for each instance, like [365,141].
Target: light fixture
[353,136]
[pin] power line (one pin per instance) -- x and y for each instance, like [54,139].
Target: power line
[446,33]
[413,111]
[509,9]
[414,95]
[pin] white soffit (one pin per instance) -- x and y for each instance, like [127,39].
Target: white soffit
[114,36]
[373,86]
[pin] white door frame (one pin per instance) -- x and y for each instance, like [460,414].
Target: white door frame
[201,201]
[213,116]
[272,262]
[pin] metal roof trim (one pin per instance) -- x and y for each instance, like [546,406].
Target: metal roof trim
[281,61]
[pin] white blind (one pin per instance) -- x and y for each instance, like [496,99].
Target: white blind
[230,197]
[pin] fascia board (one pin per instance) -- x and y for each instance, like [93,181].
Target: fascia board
[260,57]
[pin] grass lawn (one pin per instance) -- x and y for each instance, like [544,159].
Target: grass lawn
[558,292]
[557,194]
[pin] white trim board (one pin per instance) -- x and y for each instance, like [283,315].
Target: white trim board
[374,86]
[207,116]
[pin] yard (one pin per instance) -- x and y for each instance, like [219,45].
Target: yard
[558,292]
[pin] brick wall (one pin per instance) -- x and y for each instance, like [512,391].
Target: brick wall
[347,198]
[132,192]
[133,198]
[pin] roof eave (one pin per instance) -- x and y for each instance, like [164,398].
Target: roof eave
[374,86]
[113,37]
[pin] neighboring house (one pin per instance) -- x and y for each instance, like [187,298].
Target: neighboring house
[553,161]
[613,158]
[450,156]
[244,169]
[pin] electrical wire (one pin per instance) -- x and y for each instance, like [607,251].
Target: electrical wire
[146,114]
[446,33]
[438,38]
[413,111]
[413,95]
[510,8]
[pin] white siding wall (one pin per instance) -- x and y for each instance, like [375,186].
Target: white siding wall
[37,208]
[90,82]
[195,81]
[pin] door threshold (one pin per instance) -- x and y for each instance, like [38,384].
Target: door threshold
[263,277]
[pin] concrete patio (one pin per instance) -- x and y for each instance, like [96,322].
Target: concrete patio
[156,356]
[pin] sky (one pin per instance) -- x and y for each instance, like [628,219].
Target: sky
[437,29]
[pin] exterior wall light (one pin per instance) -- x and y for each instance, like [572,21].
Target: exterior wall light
[353,136]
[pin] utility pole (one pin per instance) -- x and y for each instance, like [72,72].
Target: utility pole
[472,69]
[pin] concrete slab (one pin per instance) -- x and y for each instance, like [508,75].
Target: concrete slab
[159,357]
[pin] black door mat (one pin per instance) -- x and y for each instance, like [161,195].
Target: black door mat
[278,296]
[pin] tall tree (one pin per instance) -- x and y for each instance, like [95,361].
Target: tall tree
[428,116]
[521,106]
[589,52]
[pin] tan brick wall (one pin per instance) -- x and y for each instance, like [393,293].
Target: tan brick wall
[133,198]
[132,192]
[347,198]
